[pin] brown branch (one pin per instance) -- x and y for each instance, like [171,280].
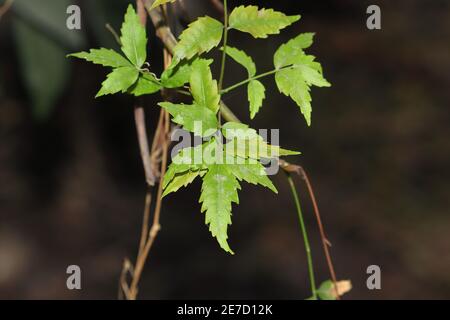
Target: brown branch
[141,11]
[160,145]
[148,237]
[145,221]
[139,119]
[218,5]
[325,243]
[124,289]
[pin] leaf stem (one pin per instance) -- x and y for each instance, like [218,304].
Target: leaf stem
[225,41]
[305,236]
[262,75]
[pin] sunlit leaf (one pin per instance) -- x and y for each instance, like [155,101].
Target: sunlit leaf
[259,22]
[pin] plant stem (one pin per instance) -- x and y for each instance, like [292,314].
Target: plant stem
[305,236]
[225,41]
[262,75]
[325,243]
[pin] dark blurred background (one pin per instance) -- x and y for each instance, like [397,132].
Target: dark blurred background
[72,187]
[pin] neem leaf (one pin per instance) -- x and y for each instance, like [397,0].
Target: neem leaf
[119,80]
[299,73]
[243,59]
[290,52]
[201,36]
[259,23]
[181,180]
[134,38]
[253,173]
[291,83]
[197,119]
[104,57]
[203,87]
[256,95]
[295,82]
[219,191]
[187,159]
[247,143]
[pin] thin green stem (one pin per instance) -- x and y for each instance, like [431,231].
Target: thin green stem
[259,76]
[225,41]
[305,237]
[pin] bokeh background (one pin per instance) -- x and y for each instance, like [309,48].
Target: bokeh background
[72,188]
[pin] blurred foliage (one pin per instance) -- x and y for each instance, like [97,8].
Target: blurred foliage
[42,41]
[43,66]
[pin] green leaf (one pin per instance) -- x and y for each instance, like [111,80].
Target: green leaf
[186,159]
[259,23]
[197,119]
[219,191]
[243,59]
[160,2]
[104,57]
[134,38]
[295,82]
[203,87]
[292,51]
[253,173]
[146,84]
[256,95]
[201,36]
[247,143]
[119,80]
[181,180]
[291,83]
[312,72]
[256,149]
